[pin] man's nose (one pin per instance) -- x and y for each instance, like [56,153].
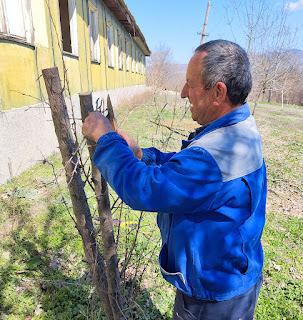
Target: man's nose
[184,92]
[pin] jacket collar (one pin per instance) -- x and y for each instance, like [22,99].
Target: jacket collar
[237,115]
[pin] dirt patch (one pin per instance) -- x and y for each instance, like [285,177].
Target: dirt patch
[282,136]
[285,201]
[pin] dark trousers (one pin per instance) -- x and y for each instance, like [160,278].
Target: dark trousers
[241,307]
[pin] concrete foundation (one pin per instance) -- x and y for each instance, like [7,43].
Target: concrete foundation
[27,134]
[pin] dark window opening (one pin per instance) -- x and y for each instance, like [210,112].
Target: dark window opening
[65,27]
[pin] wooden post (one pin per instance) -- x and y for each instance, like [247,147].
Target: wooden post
[106,222]
[76,186]
[205,23]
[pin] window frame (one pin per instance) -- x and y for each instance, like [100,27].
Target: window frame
[26,19]
[137,61]
[120,50]
[133,58]
[73,28]
[93,23]
[110,44]
[127,54]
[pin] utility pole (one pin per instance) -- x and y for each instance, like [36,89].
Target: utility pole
[205,23]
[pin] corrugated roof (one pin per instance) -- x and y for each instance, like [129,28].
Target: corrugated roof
[123,15]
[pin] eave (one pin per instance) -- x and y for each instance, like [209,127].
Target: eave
[119,9]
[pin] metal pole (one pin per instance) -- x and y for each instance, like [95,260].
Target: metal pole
[205,23]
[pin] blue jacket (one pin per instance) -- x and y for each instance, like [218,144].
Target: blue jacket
[210,198]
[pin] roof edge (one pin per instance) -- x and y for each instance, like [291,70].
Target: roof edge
[121,12]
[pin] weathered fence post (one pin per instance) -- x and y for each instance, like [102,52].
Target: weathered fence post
[106,222]
[76,186]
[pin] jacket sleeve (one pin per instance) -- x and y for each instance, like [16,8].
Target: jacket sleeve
[154,157]
[188,182]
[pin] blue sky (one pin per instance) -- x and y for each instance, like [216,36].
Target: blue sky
[175,23]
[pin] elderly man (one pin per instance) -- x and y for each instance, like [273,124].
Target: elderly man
[210,196]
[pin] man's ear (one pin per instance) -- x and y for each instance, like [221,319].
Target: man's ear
[220,93]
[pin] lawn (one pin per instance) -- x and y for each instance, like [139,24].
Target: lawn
[43,270]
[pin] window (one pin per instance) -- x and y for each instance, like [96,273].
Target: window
[68,21]
[94,33]
[127,55]
[137,62]
[140,63]
[110,44]
[120,53]
[16,20]
[143,65]
[133,57]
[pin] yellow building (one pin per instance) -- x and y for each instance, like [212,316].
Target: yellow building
[97,47]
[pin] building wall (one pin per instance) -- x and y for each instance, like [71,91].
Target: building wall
[21,63]
[27,134]
[26,130]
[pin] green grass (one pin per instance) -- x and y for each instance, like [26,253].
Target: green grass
[43,273]
[285,105]
[282,293]
[38,248]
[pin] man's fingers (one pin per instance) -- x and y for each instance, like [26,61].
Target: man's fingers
[95,126]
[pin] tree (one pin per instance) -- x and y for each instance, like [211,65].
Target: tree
[159,67]
[269,41]
[162,72]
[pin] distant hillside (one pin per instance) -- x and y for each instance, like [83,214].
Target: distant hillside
[178,77]
[297,51]
[180,69]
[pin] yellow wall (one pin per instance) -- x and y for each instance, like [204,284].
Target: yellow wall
[74,79]
[18,73]
[21,64]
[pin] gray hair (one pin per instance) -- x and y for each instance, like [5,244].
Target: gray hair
[226,62]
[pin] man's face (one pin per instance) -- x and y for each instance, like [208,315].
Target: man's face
[200,99]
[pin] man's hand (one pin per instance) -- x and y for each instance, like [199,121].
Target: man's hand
[95,126]
[131,143]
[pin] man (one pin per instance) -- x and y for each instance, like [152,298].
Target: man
[210,196]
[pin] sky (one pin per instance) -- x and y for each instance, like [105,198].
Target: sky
[176,23]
